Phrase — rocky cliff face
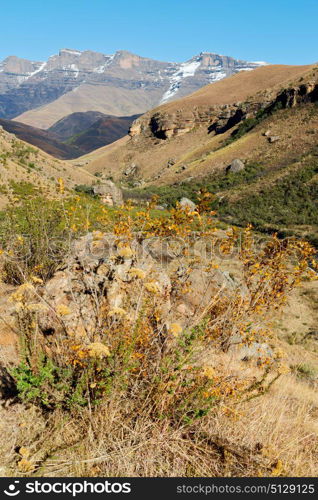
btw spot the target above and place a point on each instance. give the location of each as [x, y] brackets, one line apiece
[163, 124]
[25, 85]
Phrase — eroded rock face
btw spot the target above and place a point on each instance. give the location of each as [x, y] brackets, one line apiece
[219, 119]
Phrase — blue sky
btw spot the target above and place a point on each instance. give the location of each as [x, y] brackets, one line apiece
[277, 31]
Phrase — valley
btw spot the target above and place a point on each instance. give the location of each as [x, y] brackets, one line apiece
[158, 264]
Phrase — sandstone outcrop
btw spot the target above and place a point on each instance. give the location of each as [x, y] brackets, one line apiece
[219, 118]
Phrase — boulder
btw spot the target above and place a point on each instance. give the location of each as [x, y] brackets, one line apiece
[236, 166]
[109, 193]
[273, 138]
[182, 168]
[131, 170]
[171, 162]
[81, 163]
[203, 286]
[186, 203]
[255, 351]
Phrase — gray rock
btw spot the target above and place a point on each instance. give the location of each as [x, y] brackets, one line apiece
[81, 163]
[188, 179]
[109, 193]
[236, 166]
[255, 350]
[138, 183]
[181, 169]
[131, 170]
[186, 203]
[273, 138]
[171, 162]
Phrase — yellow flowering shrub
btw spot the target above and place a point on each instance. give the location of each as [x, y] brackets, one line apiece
[137, 273]
[134, 351]
[98, 350]
[63, 310]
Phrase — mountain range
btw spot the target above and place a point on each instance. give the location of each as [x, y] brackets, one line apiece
[122, 84]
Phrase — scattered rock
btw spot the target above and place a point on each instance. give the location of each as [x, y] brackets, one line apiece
[267, 133]
[188, 179]
[138, 183]
[109, 193]
[312, 334]
[186, 203]
[237, 165]
[171, 162]
[131, 170]
[81, 163]
[273, 138]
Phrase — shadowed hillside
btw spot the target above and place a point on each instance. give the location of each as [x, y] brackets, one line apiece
[43, 139]
[101, 132]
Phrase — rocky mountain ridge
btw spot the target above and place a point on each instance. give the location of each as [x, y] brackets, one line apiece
[25, 85]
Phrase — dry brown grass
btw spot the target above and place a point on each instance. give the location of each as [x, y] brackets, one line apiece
[272, 435]
[240, 86]
[92, 97]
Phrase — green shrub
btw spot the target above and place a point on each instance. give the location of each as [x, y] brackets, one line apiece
[34, 237]
[249, 123]
[169, 195]
[83, 188]
[293, 200]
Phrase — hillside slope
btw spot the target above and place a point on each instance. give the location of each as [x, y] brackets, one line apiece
[73, 136]
[75, 123]
[196, 139]
[25, 169]
[43, 139]
[195, 114]
[104, 131]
